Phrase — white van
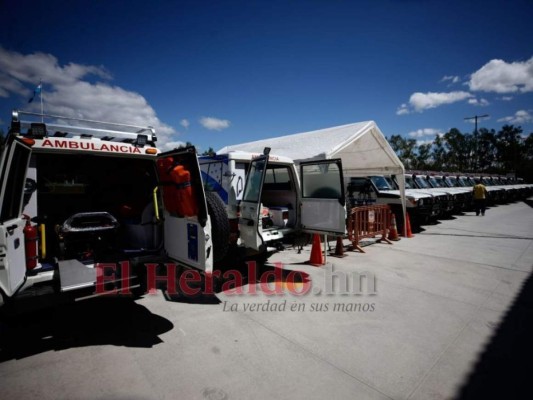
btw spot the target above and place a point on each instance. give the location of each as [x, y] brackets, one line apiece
[377, 189]
[76, 193]
[268, 199]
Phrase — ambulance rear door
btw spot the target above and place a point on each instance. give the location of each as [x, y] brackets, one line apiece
[322, 203]
[187, 235]
[14, 163]
[250, 222]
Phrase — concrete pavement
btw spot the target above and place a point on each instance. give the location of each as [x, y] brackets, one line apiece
[439, 299]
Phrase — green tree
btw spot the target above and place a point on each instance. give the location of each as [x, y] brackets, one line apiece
[187, 144]
[438, 154]
[527, 168]
[209, 152]
[486, 152]
[509, 147]
[405, 149]
[423, 155]
[458, 149]
[528, 147]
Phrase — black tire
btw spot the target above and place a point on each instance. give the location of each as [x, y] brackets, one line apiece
[220, 229]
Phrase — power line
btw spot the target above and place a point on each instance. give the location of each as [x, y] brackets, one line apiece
[475, 156]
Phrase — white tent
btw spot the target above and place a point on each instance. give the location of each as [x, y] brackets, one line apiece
[363, 148]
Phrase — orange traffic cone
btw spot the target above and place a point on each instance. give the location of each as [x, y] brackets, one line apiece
[317, 258]
[393, 230]
[339, 249]
[408, 227]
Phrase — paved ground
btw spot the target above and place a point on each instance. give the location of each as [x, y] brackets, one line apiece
[442, 300]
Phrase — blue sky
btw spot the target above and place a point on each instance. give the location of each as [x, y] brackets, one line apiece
[224, 72]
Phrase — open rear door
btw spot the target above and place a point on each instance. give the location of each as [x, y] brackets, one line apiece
[323, 201]
[250, 223]
[13, 168]
[187, 228]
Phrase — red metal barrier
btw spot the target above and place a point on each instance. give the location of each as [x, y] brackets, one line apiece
[367, 222]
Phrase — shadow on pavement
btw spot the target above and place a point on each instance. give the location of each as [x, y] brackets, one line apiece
[504, 368]
[232, 277]
[529, 202]
[103, 321]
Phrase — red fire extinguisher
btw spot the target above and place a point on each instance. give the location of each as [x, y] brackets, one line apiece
[31, 238]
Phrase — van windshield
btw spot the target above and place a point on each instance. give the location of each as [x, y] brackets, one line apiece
[391, 182]
[381, 183]
[450, 181]
[463, 182]
[434, 182]
[409, 182]
[422, 183]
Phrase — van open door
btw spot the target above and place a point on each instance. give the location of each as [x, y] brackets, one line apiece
[322, 205]
[250, 222]
[14, 163]
[183, 212]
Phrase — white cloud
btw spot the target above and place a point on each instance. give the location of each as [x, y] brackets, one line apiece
[502, 77]
[480, 102]
[520, 117]
[403, 110]
[507, 98]
[451, 78]
[67, 91]
[185, 123]
[424, 101]
[215, 124]
[420, 133]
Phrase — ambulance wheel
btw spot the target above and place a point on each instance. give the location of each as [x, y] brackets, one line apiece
[219, 225]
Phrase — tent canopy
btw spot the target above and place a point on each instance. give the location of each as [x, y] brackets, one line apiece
[361, 146]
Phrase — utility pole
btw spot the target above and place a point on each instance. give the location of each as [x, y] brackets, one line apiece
[475, 117]
[475, 157]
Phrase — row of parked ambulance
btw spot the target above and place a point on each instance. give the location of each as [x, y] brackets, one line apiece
[432, 195]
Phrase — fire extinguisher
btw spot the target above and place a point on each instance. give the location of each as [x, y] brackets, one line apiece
[31, 238]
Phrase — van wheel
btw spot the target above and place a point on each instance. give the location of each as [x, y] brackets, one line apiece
[219, 225]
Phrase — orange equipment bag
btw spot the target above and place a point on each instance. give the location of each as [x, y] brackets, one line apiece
[178, 194]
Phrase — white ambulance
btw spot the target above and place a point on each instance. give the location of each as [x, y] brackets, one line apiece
[76, 193]
[269, 200]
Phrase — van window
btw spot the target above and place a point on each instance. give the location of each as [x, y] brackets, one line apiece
[422, 183]
[381, 183]
[409, 183]
[252, 191]
[277, 178]
[434, 183]
[451, 181]
[321, 180]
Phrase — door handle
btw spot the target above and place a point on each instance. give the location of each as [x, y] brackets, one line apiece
[11, 228]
